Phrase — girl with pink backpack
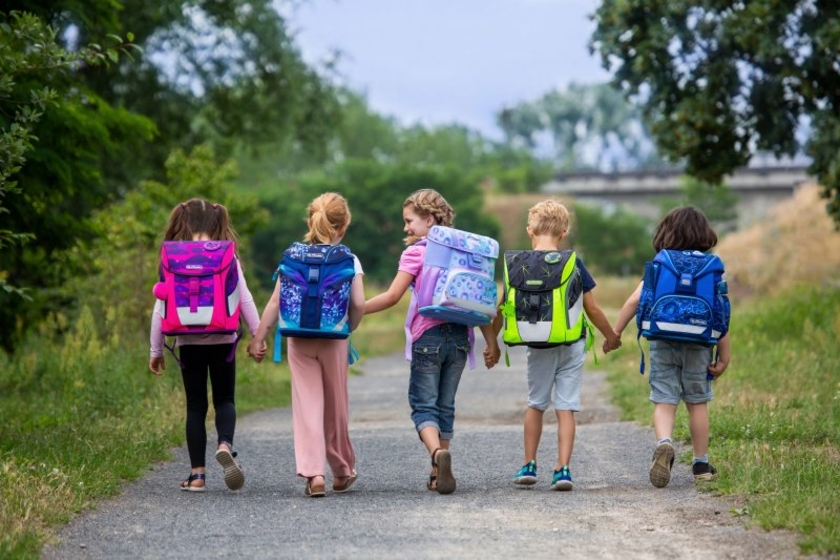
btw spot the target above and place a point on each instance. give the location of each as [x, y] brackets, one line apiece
[199, 298]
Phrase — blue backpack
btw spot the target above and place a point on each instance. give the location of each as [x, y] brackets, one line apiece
[314, 292]
[684, 298]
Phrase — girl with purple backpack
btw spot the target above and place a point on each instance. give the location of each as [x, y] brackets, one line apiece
[438, 349]
[200, 354]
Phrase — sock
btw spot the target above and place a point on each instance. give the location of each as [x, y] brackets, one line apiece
[703, 459]
[660, 441]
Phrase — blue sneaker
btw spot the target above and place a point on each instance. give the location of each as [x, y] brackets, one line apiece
[562, 479]
[527, 475]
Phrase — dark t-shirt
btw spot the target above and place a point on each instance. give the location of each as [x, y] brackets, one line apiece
[586, 279]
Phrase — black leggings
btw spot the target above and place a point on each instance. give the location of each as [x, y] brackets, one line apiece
[197, 360]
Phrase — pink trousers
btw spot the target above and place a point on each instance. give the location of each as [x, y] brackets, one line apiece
[320, 406]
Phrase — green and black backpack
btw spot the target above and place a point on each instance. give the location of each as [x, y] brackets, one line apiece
[543, 304]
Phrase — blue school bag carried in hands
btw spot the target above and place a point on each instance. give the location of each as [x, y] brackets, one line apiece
[684, 298]
[315, 282]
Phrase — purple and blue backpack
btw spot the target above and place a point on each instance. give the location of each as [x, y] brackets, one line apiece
[315, 282]
[459, 285]
[199, 288]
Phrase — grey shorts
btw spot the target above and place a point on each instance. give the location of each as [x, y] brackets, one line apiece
[559, 368]
[678, 372]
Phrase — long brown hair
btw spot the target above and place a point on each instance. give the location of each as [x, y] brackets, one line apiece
[684, 228]
[197, 216]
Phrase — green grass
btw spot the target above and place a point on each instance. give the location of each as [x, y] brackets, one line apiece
[775, 419]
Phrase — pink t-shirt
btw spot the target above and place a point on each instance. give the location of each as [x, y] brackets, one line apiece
[411, 261]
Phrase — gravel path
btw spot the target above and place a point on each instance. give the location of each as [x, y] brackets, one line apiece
[613, 511]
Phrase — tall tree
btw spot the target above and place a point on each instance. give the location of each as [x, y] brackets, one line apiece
[718, 81]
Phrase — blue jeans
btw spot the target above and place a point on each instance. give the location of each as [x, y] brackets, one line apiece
[438, 359]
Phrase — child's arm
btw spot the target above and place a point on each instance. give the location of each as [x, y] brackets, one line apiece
[391, 297]
[597, 318]
[357, 302]
[628, 310]
[723, 356]
[269, 318]
[492, 352]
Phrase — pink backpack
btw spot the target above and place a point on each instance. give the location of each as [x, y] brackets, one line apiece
[199, 287]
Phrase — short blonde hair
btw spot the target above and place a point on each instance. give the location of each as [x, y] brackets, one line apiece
[549, 217]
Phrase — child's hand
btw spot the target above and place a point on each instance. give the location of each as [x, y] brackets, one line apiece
[717, 368]
[491, 355]
[157, 365]
[611, 343]
[257, 350]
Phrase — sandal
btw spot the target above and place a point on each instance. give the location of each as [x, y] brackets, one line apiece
[343, 483]
[187, 486]
[445, 479]
[432, 484]
[315, 490]
[234, 475]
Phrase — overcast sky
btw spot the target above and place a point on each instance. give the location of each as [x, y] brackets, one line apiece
[441, 61]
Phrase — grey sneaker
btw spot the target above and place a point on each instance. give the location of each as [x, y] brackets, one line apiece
[660, 468]
[704, 472]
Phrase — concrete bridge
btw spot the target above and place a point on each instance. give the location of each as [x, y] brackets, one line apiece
[757, 188]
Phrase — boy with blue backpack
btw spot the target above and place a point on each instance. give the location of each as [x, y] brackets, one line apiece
[682, 308]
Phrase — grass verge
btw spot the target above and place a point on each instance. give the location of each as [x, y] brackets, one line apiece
[82, 416]
[775, 419]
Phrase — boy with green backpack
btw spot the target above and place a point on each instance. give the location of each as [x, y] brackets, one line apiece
[547, 292]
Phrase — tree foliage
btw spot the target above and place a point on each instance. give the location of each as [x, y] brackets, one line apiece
[718, 81]
[54, 136]
[375, 192]
[611, 242]
[589, 126]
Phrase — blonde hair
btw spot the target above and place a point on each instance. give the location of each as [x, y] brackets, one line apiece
[549, 217]
[329, 217]
[197, 216]
[429, 202]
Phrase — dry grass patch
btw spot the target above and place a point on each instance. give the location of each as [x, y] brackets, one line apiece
[795, 244]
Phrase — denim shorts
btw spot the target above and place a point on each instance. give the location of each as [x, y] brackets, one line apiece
[560, 368]
[438, 358]
[678, 372]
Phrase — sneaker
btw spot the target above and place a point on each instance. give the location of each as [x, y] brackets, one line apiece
[527, 475]
[562, 479]
[660, 468]
[704, 472]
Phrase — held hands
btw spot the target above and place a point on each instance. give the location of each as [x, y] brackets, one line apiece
[257, 349]
[157, 365]
[612, 342]
[492, 353]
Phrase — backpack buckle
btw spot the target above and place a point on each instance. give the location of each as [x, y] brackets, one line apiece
[314, 274]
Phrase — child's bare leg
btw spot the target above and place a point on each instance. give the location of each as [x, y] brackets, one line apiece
[698, 424]
[533, 432]
[663, 420]
[565, 437]
[430, 436]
